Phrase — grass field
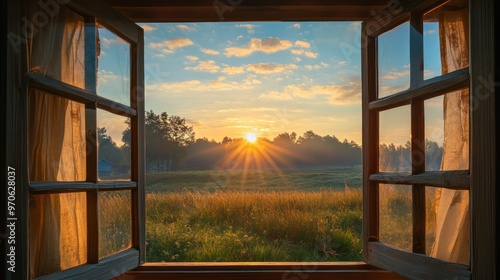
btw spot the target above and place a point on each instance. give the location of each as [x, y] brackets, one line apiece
[294, 215]
[231, 216]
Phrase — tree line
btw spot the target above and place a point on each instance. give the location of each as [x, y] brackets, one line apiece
[171, 145]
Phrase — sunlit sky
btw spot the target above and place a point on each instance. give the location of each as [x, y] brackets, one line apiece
[229, 79]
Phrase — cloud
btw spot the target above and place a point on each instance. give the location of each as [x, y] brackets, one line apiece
[268, 45]
[106, 76]
[210, 52]
[275, 95]
[192, 57]
[169, 46]
[147, 28]
[302, 44]
[233, 70]
[396, 75]
[184, 27]
[205, 66]
[342, 63]
[311, 54]
[296, 25]
[270, 68]
[429, 32]
[347, 93]
[220, 84]
[297, 52]
[316, 67]
[250, 27]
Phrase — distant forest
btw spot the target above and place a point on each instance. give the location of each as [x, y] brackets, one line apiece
[171, 145]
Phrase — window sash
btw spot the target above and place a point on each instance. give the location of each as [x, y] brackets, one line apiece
[414, 264]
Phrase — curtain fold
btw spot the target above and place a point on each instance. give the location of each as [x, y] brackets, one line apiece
[57, 151]
[452, 211]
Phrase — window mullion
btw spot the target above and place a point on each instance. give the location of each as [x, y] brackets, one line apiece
[417, 132]
[91, 140]
[370, 142]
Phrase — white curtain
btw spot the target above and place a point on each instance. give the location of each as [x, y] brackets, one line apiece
[452, 211]
[57, 150]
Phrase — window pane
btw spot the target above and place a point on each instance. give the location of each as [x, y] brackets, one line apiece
[113, 135]
[113, 67]
[115, 222]
[57, 146]
[58, 232]
[394, 148]
[434, 133]
[446, 36]
[447, 131]
[394, 60]
[58, 49]
[395, 210]
[447, 225]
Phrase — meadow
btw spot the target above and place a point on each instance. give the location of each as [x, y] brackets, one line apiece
[263, 216]
[231, 215]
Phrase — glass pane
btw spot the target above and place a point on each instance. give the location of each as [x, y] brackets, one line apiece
[446, 36]
[113, 140]
[394, 143]
[396, 224]
[58, 232]
[447, 131]
[57, 146]
[58, 49]
[447, 225]
[113, 67]
[394, 60]
[115, 222]
[434, 133]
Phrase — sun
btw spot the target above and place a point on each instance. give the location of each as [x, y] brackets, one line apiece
[251, 137]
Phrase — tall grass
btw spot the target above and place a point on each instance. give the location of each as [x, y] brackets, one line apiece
[323, 225]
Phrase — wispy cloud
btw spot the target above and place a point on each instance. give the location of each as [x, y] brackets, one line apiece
[250, 27]
[147, 27]
[268, 45]
[396, 75]
[192, 57]
[205, 66]
[311, 54]
[270, 68]
[338, 94]
[234, 70]
[169, 46]
[209, 51]
[302, 44]
[219, 84]
[297, 25]
[184, 27]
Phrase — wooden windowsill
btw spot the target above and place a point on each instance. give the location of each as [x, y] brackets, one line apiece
[259, 270]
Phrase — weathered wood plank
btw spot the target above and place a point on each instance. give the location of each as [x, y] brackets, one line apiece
[106, 269]
[456, 180]
[485, 127]
[417, 266]
[429, 88]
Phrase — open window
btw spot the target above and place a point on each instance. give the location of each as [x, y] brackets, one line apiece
[85, 207]
[416, 86]
[30, 92]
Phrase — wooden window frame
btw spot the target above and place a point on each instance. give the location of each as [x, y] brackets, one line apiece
[117, 263]
[484, 131]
